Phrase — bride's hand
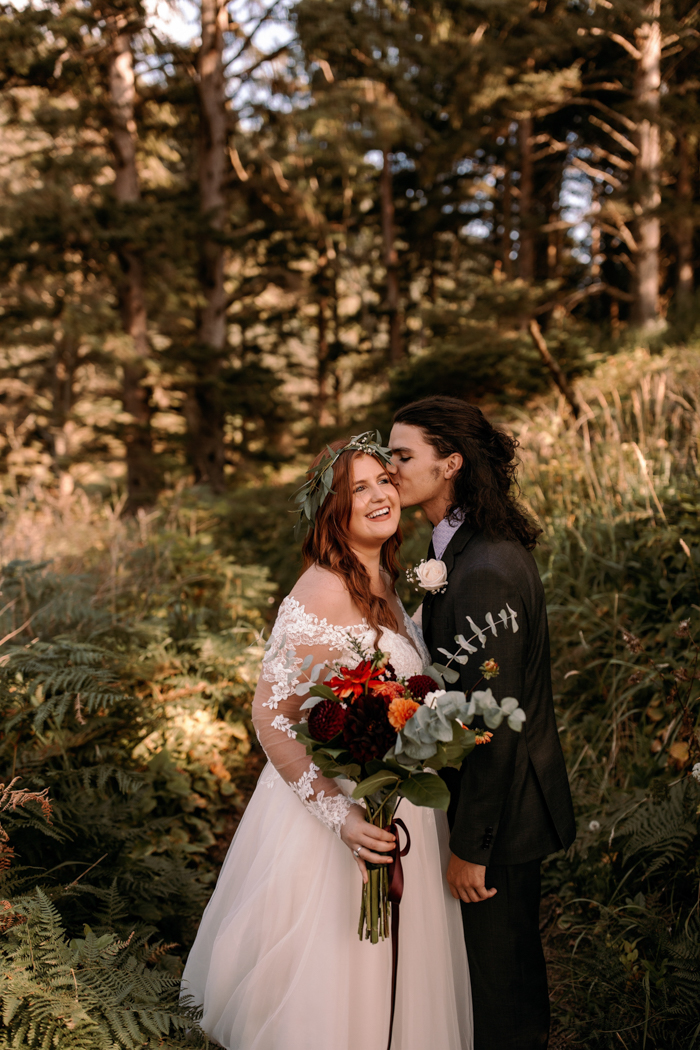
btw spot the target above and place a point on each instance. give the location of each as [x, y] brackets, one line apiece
[373, 843]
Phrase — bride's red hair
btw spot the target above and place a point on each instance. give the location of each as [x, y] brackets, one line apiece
[327, 545]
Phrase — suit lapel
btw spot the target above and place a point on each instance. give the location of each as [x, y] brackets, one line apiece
[456, 545]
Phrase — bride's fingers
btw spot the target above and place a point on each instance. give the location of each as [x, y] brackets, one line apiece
[363, 869]
[380, 839]
[378, 847]
[374, 858]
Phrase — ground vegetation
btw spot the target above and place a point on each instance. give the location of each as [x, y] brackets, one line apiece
[225, 243]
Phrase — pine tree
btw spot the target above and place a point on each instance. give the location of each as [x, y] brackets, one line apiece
[143, 474]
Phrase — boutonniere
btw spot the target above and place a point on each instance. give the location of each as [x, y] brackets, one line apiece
[431, 575]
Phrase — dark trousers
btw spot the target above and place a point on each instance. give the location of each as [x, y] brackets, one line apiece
[506, 961]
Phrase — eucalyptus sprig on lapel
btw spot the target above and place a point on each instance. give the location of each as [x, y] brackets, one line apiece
[489, 668]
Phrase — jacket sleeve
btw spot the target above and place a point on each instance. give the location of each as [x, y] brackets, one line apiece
[491, 612]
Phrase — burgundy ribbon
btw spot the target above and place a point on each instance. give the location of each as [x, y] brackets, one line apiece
[395, 895]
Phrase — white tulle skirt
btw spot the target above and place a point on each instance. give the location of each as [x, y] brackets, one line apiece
[277, 963]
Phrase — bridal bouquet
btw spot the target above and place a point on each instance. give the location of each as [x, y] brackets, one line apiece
[390, 737]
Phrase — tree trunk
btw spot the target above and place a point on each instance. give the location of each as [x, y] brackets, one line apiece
[322, 365]
[391, 262]
[506, 242]
[647, 167]
[684, 229]
[63, 367]
[205, 409]
[143, 475]
[527, 233]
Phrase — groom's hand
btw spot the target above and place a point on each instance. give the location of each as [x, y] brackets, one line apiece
[467, 881]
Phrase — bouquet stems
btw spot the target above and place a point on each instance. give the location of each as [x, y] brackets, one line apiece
[374, 906]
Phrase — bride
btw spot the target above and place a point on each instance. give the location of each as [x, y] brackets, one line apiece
[277, 963]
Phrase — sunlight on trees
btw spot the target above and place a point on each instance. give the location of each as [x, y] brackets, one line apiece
[232, 232]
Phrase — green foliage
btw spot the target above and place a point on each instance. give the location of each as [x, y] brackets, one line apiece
[621, 512]
[636, 965]
[130, 703]
[94, 992]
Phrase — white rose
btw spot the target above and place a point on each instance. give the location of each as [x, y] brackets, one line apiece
[696, 771]
[432, 574]
[431, 699]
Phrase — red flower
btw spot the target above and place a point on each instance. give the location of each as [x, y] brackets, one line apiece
[367, 732]
[326, 720]
[419, 685]
[354, 682]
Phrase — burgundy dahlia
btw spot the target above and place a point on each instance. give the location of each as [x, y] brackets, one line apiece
[326, 720]
[419, 685]
[388, 673]
[367, 732]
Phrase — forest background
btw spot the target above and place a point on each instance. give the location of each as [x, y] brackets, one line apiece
[230, 233]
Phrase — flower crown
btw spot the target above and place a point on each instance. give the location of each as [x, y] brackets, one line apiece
[313, 492]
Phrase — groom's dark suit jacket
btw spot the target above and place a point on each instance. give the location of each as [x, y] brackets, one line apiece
[511, 800]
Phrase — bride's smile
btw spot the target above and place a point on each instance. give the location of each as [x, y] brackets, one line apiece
[376, 508]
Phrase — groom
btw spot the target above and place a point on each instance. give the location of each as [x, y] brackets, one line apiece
[511, 804]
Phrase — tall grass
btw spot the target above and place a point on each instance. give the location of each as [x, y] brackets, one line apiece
[618, 495]
[127, 663]
[129, 650]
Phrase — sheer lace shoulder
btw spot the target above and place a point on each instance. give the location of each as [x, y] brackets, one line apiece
[315, 627]
[297, 635]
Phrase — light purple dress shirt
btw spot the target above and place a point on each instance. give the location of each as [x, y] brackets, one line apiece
[443, 533]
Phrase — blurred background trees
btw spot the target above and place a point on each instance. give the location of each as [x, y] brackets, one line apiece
[230, 232]
[222, 238]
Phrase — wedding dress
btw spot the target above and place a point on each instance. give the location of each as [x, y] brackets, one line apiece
[277, 963]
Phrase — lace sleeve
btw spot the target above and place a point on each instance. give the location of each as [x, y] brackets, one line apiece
[296, 635]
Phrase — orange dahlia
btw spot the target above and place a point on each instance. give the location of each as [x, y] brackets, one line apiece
[400, 710]
[389, 690]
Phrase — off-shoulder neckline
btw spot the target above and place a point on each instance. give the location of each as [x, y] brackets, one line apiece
[323, 622]
[362, 626]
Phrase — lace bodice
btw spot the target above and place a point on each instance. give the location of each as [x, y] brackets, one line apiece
[297, 635]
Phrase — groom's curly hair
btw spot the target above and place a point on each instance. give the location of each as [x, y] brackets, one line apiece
[485, 489]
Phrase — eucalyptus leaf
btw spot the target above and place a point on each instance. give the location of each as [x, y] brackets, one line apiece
[419, 751]
[435, 675]
[516, 720]
[426, 789]
[323, 691]
[448, 673]
[310, 703]
[493, 719]
[384, 778]
[306, 663]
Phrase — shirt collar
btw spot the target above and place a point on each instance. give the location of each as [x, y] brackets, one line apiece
[444, 531]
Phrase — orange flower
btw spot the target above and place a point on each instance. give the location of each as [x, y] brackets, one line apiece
[388, 689]
[400, 710]
[353, 682]
[484, 738]
[489, 669]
